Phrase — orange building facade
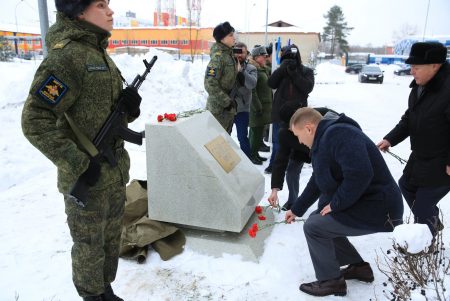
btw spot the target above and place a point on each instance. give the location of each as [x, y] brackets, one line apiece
[188, 41]
[26, 42]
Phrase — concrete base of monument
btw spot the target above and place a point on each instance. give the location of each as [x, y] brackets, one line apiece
[217, 243]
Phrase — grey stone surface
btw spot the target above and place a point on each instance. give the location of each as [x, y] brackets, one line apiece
[217, 243]
[187, 186]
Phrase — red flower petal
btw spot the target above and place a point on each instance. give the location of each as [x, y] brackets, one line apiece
[160, 118]
[262, 217]
[252, 233]
[166, 115]
[258, 209]
[255, 227]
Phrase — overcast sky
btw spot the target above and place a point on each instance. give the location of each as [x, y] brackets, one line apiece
[374, 21]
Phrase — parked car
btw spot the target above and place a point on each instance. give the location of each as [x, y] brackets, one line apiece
[403, 70]
[371, 73]
[353, 69]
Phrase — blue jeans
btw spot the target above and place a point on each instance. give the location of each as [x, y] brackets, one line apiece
[423, 201]
[241, 122]
[293, 171]
[275, 145]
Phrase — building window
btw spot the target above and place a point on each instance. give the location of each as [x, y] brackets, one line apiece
[29, 42]
[124, 42]
[154, 42]
[173, 42]
[134, 42]
[115, 42]
[164, 42]
[184, 42]
[144, 42]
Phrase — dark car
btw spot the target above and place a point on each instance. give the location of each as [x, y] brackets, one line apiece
[371, 74]
[403, 70]
[353, 69]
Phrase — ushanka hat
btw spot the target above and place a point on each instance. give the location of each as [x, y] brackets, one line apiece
[423, 53]
[222, 30]
[72, 8]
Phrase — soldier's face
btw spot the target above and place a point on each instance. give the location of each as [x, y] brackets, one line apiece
[229, 40]
[98, 13]
[424, 73]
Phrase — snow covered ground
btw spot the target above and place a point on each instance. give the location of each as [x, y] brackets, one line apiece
[35, 241]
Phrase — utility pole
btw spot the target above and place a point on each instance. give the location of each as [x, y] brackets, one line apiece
[267, 22]
[43, 19]
[426, 21]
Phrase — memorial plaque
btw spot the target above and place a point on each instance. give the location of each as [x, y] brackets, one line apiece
[223, 153]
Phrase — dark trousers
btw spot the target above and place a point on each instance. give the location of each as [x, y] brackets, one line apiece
[255, 137]
[241, 122]
[275, 145]
[293, 171]
[328, 245]
[423, 201]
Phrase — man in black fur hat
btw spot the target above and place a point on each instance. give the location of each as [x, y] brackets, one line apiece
[426, 177]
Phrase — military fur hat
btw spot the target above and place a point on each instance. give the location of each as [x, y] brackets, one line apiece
[72, 8]
[222, 30]
[423, 53]
[259, 50]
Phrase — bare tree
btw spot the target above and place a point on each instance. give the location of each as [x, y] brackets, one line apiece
[404, 31]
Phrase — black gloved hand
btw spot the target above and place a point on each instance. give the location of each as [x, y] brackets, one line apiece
[291, 68]
[92, 174]
[240, 78]
[232, 105]
[132, 101]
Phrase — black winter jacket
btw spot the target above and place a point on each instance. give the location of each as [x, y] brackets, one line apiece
[427, 123]
[293, 83]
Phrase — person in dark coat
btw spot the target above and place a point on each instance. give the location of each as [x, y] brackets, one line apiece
[293, 82]
[357, 196]
[426, 177]
[289, 159]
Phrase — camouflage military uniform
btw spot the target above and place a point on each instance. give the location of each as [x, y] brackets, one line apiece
[79, 78]
[219, 81]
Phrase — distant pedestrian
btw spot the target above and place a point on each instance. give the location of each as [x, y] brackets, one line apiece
[242, 95]
[426, 177]
[293, 82]
[220, 76]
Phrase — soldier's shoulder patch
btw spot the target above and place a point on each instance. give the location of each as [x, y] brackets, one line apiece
[52, 90]
[211, 72]
[61, 44]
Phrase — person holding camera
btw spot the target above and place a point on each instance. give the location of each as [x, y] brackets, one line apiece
[261, 104]
[293, 82]
[78, 81]
[242, 94]
[220, 76]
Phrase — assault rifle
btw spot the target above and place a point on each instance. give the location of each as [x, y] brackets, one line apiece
[103, 141]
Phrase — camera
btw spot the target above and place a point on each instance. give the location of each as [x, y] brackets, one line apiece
[237, 50]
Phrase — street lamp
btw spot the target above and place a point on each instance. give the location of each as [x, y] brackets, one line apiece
[17, 27]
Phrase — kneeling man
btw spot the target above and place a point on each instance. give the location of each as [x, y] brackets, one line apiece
[357, 196]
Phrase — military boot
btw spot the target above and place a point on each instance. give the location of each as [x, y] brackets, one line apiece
[359, 271]
[109, 294]
[94, 298]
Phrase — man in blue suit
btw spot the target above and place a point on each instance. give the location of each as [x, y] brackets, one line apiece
[357, 196]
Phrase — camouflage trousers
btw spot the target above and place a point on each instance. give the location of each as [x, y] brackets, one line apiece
[95, 232]
[226, 119]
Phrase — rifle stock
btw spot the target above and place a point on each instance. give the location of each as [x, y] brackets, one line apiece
[113, 127]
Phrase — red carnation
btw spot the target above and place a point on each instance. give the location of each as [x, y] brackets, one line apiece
[262, 217]
[258, 209]
[166, 115]
[160, 118]
[172, 117]
[255, 227]
[252, 233]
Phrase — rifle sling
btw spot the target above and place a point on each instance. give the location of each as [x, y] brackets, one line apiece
[85, 142]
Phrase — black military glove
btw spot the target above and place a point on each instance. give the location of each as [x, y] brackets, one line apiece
[132, 101]
[232, 105]
[291, 69]
[240, 78]
[92, 174]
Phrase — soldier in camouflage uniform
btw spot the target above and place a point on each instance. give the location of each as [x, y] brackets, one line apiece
[221, 75]
[78, 80]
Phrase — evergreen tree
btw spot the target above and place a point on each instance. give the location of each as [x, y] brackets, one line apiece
[336, 30]
[6, 53]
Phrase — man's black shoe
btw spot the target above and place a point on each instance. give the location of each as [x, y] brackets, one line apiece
[94, 298]
[336, 287]
[268, 170]
[109, 294]
[359, 271]
[255, 160]
[264, 148]
[263, 159]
